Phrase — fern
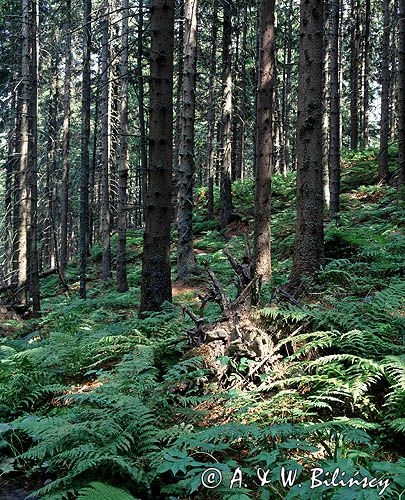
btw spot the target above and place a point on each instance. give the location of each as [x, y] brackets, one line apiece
[102, 491]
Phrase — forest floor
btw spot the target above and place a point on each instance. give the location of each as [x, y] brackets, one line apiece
[98, 403]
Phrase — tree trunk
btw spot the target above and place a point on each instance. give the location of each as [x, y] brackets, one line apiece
[401, 97]
[186, 264]
[334, 139]
[33, 159]
[64, 201]
[85, 143]
[354, 76]
[105, 221]
[156, 271]
[393, 74]
[264, 141]
[287, 89]
[326, 105]
[142, 121]
[366, 74]
[8, 195]
[21, 246]
[383, 172]
[309, 242]
[225, 201]
[211, 112]
[52, 151]
[122, 283]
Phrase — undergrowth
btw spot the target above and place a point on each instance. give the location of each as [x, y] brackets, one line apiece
[98, 403]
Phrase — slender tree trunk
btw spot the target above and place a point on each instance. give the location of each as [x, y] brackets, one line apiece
[122, 283]
[309, 241]
[94, 169]
[326, 104]
[156, 271]
[354, 76]
[105, 216]
[334, 139]
[366, 73]
[33, 159]
[64, 201]
[340, 57]
[401, 97]
[235, 99]
[264, 141]
[287, 90]
[225, 202]
[179, 41]
[186, 264]
[383, 172]
[211, 111]
[21, 246]
[141, 113]
[8, 198]
[85, 143]
[394, 74]
[51, 162]
[240, 157]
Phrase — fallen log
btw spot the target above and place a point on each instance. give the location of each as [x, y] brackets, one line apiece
[46, 273]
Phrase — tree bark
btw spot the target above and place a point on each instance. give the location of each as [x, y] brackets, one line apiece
[401, 97]
[383, 171]
[334, 139]
[33, 159]
[51, 162]
[309, 241]
[354, 76]
[264, 140]
[122, 282]
[287, 88]
[142, 121]
[225, 201]
[366, 74]
[211, 112]
[85, 143]
[326, 77]
[21, 246]
[186, 264]
[156, 270]
[64, 201]
[105, 216]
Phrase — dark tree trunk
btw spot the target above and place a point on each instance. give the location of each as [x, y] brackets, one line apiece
[156, 271]
[287, 88]
[142, 121]
[211, 112]
[354, 76]
[122, 282]
[225, 201]
[326, 105]
[264, 141]
[85, 143]
[52, 151]
[383, 172]
[366, 73]
[105, 216]
[186, 264]
[401, 97]
[334, 139]
[309, 241]
[33, 159]
[64, 201]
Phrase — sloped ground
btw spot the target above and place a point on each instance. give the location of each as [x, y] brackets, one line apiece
[151, 411]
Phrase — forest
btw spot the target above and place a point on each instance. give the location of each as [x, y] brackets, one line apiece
[201, 249]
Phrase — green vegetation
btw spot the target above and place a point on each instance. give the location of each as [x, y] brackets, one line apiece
[98, 403]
